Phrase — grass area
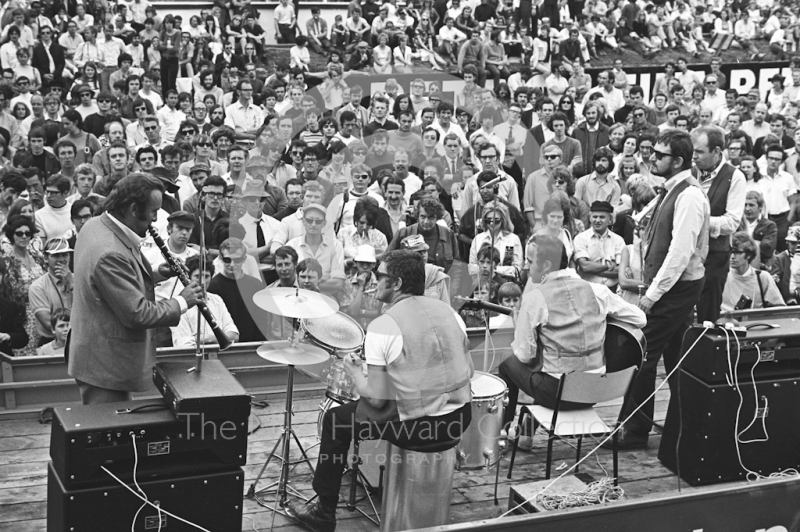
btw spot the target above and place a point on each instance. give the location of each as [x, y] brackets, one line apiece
[629, 58]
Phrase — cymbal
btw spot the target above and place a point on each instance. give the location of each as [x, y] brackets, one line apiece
[302, 355]
[295, 303]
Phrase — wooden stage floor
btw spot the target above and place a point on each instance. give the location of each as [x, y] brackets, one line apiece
[24, 453]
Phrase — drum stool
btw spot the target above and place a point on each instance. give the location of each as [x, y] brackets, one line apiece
[416, 480]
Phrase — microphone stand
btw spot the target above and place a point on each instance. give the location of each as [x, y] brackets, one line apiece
[485, 310]
[199, 352]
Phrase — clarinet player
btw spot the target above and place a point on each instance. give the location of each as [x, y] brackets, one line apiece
[111, 348]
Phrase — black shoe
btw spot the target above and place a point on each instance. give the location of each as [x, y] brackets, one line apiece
[313, 515]
[627, 440]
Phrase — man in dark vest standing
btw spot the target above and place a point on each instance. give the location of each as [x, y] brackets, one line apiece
[724, 186]
[674, 246]
[417, 388]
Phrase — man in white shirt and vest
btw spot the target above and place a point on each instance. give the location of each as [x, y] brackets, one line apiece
[724, 186]
[674, 248]
[416, 393]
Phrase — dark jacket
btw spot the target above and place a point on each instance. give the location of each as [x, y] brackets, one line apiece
[12, 322]
[782, 269]
[766, 234]
[446, 251]
[40, 61]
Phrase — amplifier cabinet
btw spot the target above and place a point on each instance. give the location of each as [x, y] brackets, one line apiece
[213, 501]
[86, 437]
[213, 392]
[776, 350]
[707, 450]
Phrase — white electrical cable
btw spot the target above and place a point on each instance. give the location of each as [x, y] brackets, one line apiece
[611, 435]
[144, 498]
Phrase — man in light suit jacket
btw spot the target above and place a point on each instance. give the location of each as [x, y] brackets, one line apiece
[111, 348]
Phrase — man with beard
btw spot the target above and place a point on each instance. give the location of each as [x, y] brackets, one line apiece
[591, 134]
[599, 185]
[674, 247]
[204, 85]
[118, 162]
[215, 120]
[724, 185]
[115, 132]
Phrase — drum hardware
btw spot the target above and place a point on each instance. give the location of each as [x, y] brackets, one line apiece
[294, 303]
[486, 307]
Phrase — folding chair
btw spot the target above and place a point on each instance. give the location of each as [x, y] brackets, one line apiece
[579, 387]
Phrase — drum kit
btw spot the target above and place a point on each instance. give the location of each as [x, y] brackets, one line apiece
[321, 339]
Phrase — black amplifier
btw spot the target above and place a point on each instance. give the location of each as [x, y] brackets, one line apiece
[708, 445]
[84, 438]
[774, 345]
[213, 393]
[212, 501]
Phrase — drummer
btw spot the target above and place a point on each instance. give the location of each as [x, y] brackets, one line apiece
[416, 390]
[560, 328]
[280, 327]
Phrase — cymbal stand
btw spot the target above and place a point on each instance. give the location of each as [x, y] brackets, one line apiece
[357, 477]
[281, 487]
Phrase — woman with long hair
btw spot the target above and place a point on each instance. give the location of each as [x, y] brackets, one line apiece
[278, 171]
[170, 48]
[8, 51]
[339, 165]
[89, 75]
[558, 222]
[499, 232]
[402, 103]
[511, 39]
[362, 231]
[566, 105]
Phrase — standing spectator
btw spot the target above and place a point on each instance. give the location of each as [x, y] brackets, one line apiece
[170, 48]
[777, 186]
[54, 219]
[591, 134]
[761, 229]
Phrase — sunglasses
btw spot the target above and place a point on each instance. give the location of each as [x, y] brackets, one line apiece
[660, 154]
[187, 132]
[551, 157]
[560, 182]
[23, 234]
[310, 221]
[638, 115]
[151, 128]
[298, 153]
[489, 221]
[205, 144]
[141, 109]
[235, 260]
[104, 101]
[360, 176]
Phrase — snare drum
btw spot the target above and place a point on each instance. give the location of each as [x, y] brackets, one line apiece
[480, 443]
[339, 334]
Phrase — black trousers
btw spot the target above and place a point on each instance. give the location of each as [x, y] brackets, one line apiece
[169, 73]
[541, 386]
[667, 322]
[717, 265]
[339, 427]
[782, 221]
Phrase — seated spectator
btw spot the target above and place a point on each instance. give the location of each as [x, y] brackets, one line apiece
[315, 244]
[759, 228]
[784, 263]
[53, 220]
[281, 327]
[12, 321]
[499, 233]
[237, 290]
[185, 333]
[59, 323]
[486, 286]
[359, 300]
[747, 287]
[309, 274]
[437, 282]
[362, 232]
[53, 290]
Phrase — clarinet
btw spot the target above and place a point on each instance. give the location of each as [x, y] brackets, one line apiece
[222, 340]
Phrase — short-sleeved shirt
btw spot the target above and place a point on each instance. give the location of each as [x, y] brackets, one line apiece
[330, 255]
[47, 293]
[607, 247]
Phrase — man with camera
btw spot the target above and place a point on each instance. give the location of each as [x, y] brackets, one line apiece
[747, 287]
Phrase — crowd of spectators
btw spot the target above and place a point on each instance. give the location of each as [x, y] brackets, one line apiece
[283, 175]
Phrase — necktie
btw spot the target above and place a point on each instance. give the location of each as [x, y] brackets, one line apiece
[260, 240]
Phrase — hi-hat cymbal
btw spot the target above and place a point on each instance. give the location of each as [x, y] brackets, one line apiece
[302, 355]
[295, 303]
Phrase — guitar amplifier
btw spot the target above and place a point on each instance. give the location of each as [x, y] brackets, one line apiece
[212, 501]
[211, 394]
[708, 448]
[84, 438]
[775, 346]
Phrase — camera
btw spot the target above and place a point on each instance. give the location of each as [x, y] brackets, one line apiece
[744, 303]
